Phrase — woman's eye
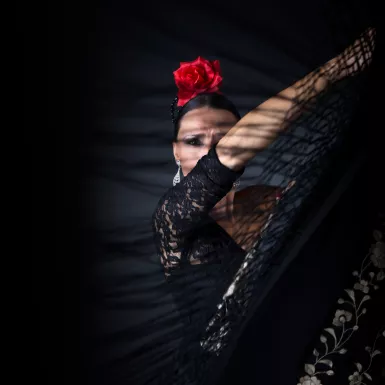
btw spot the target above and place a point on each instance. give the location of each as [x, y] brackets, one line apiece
[193, 142]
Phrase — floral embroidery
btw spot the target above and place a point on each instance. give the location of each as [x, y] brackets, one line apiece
[356, 378]
[341, 317]
[378, 256]
[346, 320]
[359, 377]
[362, 286]
[309, 381]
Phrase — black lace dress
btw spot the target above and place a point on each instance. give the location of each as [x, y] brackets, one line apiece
[200, 261]
[199, 257]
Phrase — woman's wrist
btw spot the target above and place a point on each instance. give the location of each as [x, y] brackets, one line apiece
[354, 59]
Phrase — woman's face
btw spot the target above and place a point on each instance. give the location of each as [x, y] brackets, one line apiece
[199, 130]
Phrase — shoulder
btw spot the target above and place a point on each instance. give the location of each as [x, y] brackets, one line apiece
[258, 191]
[256, 197]
[260, 196]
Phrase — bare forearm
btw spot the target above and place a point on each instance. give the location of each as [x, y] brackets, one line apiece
[261, 126]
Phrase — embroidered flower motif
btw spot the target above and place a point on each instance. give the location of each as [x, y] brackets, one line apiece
[307, 380]
[359, 376]
[377, 235]
[362, 286]
[378, 255]
[355, 379]
[341, 317]
[336, 337]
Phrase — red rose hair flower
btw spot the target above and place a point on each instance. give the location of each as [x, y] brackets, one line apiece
[196, 77]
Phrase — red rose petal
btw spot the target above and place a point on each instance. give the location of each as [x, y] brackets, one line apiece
[195, 77]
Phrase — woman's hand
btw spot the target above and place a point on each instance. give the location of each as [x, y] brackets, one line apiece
[353, 59]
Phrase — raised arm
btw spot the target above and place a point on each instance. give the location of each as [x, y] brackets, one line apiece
[260, 127]
[187, 205]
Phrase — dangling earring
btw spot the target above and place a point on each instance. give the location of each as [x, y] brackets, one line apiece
[177, 175]
[236, 184]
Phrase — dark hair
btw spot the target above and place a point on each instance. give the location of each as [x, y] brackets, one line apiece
[212, 100]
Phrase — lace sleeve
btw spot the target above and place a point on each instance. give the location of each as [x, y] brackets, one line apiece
[187, 205]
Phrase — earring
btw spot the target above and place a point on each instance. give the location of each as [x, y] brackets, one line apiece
[177, 175]
[236, 184]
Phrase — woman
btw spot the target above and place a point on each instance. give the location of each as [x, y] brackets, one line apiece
[203, 227]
